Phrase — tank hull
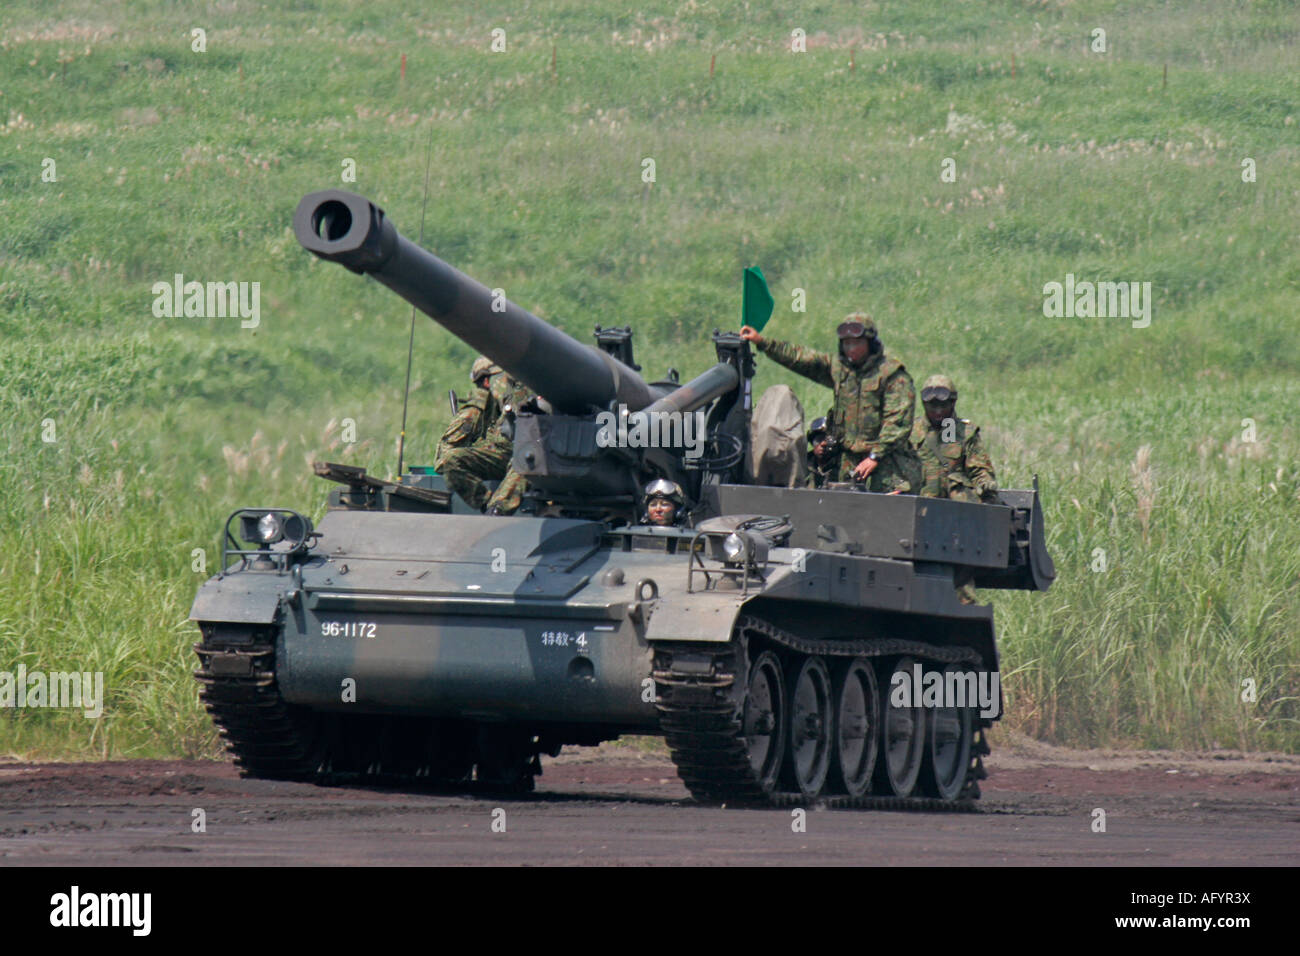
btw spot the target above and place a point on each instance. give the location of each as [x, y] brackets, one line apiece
[497, 638]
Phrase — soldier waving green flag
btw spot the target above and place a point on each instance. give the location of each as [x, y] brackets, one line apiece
[871, 418]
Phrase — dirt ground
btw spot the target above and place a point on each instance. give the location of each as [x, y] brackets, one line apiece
[624, 805]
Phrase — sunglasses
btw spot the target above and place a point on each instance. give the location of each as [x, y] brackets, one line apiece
[939, 396]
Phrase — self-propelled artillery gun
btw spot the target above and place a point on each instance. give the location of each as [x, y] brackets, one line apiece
[787, 641]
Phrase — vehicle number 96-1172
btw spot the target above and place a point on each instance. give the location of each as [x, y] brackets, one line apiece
[348, 629]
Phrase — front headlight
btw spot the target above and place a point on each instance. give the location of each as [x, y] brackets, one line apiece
[734, 546]
[261, 530]
[270, 528]
[266, 527]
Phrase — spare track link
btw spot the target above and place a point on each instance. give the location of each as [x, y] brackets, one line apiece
[701, 719]
[238, 689]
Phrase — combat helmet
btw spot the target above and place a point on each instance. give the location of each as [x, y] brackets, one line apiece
[938, 388]
[663, 488]
[483, 367]
[856, 325]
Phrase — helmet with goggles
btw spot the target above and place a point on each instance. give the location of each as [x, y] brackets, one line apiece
[856, 325]
[663, 488]
[938, 390]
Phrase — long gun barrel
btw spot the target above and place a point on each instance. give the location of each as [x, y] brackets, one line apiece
[699, 391]
[342, 227]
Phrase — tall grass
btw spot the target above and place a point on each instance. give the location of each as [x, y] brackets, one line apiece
[828, 177]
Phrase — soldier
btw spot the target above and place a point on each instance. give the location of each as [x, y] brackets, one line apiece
[871, 420]
[472, 450]
[664, 501]
[469, 425]
[510, 394]
[954, 463]
[823, 456]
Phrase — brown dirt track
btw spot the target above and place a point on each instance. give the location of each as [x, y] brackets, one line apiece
[616, 805]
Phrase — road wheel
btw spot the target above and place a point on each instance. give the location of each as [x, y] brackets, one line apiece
[855, 731]
[764, 720]
[808, 739]
[902, 735]
[947, 750]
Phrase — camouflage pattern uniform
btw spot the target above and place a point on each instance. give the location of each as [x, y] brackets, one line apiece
[472, 450]
[469, 425]
[509, 494]
[959, 469]
[509, 394]
[872, 412]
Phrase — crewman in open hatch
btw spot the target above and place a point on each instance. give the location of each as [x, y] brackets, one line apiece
[664, 504]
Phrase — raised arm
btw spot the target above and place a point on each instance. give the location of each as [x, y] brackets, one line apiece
[797, 358]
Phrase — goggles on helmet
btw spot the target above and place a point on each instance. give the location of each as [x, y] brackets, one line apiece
[854, 330]
[663, 488]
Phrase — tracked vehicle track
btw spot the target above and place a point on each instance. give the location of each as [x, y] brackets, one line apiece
[273, 739]
[267, 737]
[700, 702]
[700, 693]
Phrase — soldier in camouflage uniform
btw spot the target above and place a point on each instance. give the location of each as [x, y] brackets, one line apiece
[871, 420]
[823, 457]
[472, 449]
[509, 394]
[954, 463]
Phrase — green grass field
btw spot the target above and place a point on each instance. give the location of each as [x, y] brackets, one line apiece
[821, 167]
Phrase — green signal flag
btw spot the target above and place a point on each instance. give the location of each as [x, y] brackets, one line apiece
[756, 307]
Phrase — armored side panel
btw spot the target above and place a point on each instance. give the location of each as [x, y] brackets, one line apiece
[1002, 544]
[459, 616]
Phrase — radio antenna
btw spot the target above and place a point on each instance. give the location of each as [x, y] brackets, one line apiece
[410, 345]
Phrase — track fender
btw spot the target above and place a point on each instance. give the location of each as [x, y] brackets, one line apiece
[240, 599]
[702, 616]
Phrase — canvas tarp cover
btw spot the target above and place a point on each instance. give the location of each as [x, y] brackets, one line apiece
[776, 452]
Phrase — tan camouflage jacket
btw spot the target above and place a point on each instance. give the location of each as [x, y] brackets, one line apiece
[509, 394]
[506, 394]
[873, 404]
[960, 469]
[476, 415]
